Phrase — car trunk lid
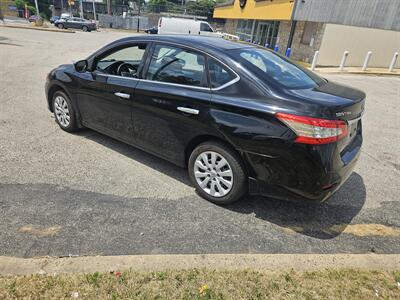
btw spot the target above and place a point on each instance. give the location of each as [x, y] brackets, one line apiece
[333, 101]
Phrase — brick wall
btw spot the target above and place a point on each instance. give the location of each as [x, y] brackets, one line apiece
[230, 26]
[283, 35]
[301, 52]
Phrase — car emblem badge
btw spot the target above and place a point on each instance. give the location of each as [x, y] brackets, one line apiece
[343, 113]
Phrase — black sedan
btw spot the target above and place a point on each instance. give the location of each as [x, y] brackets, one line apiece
[241, 118]
[152, 30]
[75, 23]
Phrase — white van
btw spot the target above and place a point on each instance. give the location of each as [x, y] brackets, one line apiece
[65, 16]
[187, 26]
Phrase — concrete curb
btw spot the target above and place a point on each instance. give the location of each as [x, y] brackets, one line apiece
[261, 262]
[38, 28]
[367, 73]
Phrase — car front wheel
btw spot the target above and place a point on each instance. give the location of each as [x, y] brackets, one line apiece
[61, 26]
[217, 173]
[84, 28]
[64, 112]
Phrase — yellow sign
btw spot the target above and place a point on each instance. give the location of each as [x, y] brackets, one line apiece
[259, 10]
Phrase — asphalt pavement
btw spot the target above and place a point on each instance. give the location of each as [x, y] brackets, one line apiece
[87, 194]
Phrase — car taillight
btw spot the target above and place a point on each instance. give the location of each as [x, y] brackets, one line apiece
[314, 131]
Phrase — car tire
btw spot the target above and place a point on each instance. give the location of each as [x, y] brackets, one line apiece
[60, 26]
[226, 182]
[64, 112]
[85, 28]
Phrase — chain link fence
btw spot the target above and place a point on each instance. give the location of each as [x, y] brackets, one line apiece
[120, 22]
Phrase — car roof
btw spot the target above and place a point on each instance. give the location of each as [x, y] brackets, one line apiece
[200, 42]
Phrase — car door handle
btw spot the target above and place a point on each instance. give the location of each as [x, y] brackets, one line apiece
[188, 110]
[122, 95]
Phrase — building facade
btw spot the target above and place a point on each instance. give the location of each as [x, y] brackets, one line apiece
[331, 27]
[254, 20]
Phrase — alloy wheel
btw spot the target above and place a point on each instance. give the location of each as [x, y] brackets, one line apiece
[213, 174]
[62, 111]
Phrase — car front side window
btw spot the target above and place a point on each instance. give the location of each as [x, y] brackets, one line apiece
[177, 65]
[122, 62]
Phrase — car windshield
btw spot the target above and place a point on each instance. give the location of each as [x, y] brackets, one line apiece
[275, 68]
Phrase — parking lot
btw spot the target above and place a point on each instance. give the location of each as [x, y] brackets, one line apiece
[87, 194]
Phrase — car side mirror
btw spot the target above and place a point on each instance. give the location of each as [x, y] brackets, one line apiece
[81, 66]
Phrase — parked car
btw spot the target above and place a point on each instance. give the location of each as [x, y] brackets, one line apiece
[53, 19]
[241, 118]
[167, 25]
[34, 18]
[152, 30]
[75, 23]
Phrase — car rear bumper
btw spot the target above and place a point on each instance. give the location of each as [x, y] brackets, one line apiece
[307, 176]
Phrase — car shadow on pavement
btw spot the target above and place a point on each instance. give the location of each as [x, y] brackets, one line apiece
[141, 156]
[320, 220]
[4, 41]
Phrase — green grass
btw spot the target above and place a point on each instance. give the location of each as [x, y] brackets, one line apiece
[206, 284]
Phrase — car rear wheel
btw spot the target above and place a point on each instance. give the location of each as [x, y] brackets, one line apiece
[64, 112]
[85, 28]
[217, 173]
[61, 26]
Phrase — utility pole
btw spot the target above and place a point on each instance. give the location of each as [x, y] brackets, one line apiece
[94, 12]
[37, 8]
[109, 7]
[138, 19]
[81, 8]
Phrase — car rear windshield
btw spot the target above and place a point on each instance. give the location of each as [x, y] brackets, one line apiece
[275, 68]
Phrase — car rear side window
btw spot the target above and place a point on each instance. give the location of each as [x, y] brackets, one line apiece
[274, 68]
[177, 65]
[219, 74]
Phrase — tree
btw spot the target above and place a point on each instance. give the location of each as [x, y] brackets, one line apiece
[198, 7]
[20, 4]
[157, 5]
[119, 2]
[43, 6]
[201, 7]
